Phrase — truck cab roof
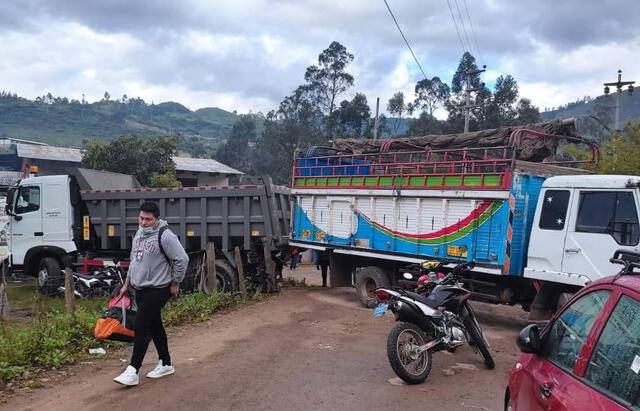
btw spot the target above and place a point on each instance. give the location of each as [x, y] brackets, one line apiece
[592, 181]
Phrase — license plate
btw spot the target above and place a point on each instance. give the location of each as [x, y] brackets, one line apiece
[380, 310]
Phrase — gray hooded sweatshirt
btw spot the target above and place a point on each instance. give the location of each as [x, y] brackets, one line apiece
[148, 266]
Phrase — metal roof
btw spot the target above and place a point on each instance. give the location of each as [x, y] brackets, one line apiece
[49, 152]
[203, 165]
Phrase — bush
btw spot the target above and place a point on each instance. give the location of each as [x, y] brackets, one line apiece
[57, 338]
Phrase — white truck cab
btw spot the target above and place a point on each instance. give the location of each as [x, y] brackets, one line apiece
[580, 221]
[41, 226]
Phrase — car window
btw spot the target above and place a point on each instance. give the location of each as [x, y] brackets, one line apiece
[564, 339]
[614, 367]
[554, 209]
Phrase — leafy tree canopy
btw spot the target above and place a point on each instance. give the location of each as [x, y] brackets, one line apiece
[148, 159]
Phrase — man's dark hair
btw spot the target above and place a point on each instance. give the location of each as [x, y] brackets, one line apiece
[149, 207]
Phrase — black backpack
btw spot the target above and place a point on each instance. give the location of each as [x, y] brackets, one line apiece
[160, 232]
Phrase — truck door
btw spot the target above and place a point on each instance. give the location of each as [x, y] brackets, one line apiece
[341, 220]
[26, 225]
[546, 247]
[56, 213]
[601, 222]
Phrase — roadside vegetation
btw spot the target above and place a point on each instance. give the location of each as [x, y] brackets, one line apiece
[43, 336]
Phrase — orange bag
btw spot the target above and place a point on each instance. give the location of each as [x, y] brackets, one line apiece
[116, 324]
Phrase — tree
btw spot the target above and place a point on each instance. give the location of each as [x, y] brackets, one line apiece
[294, 125]
[353, 116]
[467, 65]
[527, 113]
[328, 80]
[397, 106]
[430, 94]
[106, 97]
[235, 152]
[149, 160]
[497, 109]
[425, 124]
[455, 103]
[620, 154]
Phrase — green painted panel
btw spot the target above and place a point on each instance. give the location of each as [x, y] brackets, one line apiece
[321, 181]
[493, 180]
[310, 181]
[386, 181]
[298, 182]
[345, 181]
[371, 181]
[452, 181]
[401, 181]
[357, 181]
[434, 181]
[416, 181]
[332, 181]
[472, 180]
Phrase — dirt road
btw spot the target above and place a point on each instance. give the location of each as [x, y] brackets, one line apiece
[304, 349]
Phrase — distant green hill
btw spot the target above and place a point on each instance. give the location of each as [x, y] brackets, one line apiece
[58, 121]
[601, 106]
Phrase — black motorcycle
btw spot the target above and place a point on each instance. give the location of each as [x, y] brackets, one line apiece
[436, 316]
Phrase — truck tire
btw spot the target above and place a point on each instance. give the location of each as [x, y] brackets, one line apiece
[226, 278]
[49, 276]
[367, 280]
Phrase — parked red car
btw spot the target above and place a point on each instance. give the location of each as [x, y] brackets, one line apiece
[588, 356]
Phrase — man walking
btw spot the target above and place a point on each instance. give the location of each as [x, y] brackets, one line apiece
[158, 265]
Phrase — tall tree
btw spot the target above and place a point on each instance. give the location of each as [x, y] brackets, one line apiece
[236, 152]
[353, 116]
[328, 80]
[294, 125]
[396, 106]
[148, 160]
[527, 113]
[430, 94]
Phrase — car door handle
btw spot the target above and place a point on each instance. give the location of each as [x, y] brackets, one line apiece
[545, 390]
[38, 233]
[572, 250]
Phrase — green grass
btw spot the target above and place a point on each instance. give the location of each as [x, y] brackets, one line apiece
[50, 337]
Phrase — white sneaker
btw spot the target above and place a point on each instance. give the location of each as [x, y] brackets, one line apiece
[129, 377]
[161, 370]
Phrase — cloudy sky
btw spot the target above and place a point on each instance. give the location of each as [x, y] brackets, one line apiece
[246, 55]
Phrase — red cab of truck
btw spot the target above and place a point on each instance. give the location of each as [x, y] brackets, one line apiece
[588, 356]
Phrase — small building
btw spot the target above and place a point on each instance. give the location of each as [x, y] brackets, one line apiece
[19, 156]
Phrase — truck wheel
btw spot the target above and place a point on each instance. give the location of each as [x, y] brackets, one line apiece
[49, 276]
[226, 278]
[367, 280]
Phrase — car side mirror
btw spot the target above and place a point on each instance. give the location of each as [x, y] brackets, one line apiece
[529, 340]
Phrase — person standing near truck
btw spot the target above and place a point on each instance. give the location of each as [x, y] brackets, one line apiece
[158, 265]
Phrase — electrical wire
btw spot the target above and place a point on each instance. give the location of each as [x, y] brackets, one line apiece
[456, 26]
[405, 39]
[473, 32]
[464, 27]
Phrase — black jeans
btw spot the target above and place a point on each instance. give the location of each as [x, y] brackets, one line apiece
[149, 326]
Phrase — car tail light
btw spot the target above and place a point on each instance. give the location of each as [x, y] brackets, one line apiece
[382, 295]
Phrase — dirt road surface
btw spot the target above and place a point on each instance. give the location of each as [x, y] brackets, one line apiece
[304, 349]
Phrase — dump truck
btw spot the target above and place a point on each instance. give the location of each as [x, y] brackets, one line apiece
[536, 228]
[54, 223]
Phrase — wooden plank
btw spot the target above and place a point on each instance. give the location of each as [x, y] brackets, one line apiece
[211, 268]
[69, 295]
[269, 264]
[240, 267]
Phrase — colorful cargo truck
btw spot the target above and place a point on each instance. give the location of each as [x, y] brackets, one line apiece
[536, 231]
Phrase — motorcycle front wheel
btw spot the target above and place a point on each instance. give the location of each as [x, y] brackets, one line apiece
[476, 338]
[402, 343]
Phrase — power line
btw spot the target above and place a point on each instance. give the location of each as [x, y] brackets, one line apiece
[405, 39]
[475, 39]
[456, 26]
[464, 28]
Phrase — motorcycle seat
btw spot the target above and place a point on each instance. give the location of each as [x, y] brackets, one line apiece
[421, 298]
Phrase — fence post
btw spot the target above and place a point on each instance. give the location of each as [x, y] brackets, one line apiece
[4, 300]
[69, 295]
[269, 264]
[212, 281]
[243, 290]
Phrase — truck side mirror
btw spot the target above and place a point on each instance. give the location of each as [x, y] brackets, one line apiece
[529, 340]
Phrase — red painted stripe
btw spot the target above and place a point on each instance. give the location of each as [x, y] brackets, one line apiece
[447, 230]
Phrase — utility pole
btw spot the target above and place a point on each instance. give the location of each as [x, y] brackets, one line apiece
[467, 96]
[619, 84]
[375, 124]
